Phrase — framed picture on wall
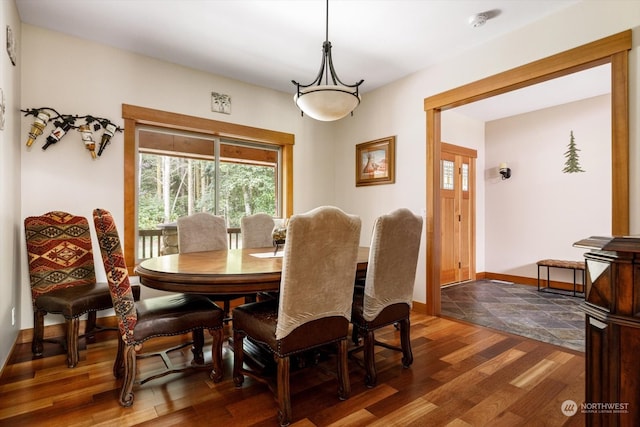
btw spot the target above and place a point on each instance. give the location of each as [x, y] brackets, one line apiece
[375, 162]
[220, 103]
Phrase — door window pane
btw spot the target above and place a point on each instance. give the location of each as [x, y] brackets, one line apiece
[465, 177]
[447, 174]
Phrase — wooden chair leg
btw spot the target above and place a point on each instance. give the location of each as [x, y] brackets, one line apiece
[198, 344]
[344, 386]
[90, 329]
[126, 393]
[73, 329]
[216, 354]
[354, 335]
[405, 343]
[284, 394]
[118, 364]
[369, 359]
[238, 358]
[38, 332]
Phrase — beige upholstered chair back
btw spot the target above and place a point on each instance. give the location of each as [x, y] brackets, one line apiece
[202, 232]
[257, 230]
[318, 268]
[393, 257]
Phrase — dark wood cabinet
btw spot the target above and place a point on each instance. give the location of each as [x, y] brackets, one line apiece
[612, 351]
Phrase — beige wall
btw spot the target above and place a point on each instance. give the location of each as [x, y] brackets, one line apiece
[540, 211]
[80, 77]
[397, 109]
[10, 215]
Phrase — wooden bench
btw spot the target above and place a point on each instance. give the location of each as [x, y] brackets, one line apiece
[556, 263]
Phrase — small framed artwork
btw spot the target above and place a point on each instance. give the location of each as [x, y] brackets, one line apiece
[375, 162]
[220, 103]
[11, 45]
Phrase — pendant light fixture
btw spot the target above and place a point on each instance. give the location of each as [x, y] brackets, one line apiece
[332, 100]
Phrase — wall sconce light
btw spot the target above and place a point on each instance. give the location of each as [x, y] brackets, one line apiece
[504, 171]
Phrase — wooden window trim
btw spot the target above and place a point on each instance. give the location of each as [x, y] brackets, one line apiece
[135, 116]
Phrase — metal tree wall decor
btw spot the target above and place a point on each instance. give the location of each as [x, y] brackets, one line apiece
[572, 164]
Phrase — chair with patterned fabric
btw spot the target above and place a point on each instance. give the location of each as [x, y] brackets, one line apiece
[257, 230]
[388, 289]
[63, 281]
[315, 300]
[174, 314]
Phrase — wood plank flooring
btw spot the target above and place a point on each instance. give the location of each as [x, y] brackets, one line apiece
[462, 375]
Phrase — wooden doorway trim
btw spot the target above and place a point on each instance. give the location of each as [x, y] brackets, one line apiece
[613, 50]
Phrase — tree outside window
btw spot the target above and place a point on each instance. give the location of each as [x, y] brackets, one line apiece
[178, 175]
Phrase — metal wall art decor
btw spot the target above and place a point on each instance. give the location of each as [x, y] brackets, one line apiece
[375, 162]
[2, 109]
[11, 45]
[572, 164]
[220, 103]
[62, 123]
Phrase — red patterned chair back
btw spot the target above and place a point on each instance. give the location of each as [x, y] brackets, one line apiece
[117, 275]
[59, 249]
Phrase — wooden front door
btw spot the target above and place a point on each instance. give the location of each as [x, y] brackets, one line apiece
[457, 204]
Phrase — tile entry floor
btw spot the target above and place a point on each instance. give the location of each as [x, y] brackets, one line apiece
[518, 309]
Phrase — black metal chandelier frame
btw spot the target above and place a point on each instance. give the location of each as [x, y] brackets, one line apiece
[326, 68]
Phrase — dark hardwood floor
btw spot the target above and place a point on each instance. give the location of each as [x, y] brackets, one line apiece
[462, 375]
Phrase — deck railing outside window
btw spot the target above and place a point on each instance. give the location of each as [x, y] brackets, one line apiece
[150, 242]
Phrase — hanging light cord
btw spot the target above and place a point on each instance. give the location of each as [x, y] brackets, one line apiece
[326, 37]
[325, 44]
[326, 66]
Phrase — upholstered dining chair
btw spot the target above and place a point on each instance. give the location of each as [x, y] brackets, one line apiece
[257, 230]
[63, 280]
[201, 232]
[174, 314]
[388, 289]
[314, 307]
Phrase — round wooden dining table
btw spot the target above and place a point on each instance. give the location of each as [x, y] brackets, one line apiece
[233, 271]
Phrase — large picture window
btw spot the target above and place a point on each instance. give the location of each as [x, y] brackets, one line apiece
[175, 165]
[180, 173]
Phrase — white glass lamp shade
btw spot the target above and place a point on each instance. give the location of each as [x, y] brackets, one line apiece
[326, 102]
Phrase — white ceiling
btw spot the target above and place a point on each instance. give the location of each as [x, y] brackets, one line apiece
[271, 42]
[574, 87]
